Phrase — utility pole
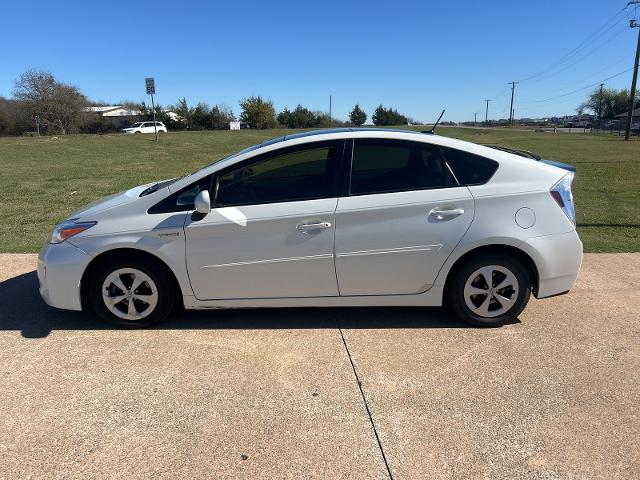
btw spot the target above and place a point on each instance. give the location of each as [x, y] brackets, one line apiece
[513, 88]
[475, 119]
[600, 107]
[632, 92]
[486, 112]
[330, 122]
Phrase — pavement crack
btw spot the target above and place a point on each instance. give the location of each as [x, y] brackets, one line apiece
[364, 400]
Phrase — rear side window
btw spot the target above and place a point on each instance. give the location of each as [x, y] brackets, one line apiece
[470, 169]
[384, 166]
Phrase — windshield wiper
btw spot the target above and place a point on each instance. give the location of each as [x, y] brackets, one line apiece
[156, 186]
[149, 190]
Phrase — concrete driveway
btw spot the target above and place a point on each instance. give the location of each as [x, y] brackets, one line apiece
[335, 393]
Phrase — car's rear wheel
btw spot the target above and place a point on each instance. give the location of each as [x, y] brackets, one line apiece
[489, 290]
[131, 292]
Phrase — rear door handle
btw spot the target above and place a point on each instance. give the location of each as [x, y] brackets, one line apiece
[444, 213]
[310, 227]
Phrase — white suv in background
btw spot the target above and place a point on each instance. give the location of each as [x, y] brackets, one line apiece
[145, 127]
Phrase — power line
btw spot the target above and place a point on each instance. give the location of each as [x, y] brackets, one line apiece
[595, 75]
[579, 89]
[580, 46]
[571, 65]
[500, 94]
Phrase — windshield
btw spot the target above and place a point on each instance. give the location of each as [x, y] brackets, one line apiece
[137, 124]
[247, 150]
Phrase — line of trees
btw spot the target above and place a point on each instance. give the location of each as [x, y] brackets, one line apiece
[39, 99]
[260, 113]
[200, 117]
[608, 103]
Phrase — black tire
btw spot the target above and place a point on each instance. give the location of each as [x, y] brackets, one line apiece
[455, 296]
[166, 294]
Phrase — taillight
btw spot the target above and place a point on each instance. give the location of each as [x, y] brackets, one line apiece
[561, 193]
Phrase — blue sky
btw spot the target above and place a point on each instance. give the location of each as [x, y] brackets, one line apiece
[416, 56]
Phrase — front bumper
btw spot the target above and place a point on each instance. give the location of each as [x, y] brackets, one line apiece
[60, 268]
[558, 258]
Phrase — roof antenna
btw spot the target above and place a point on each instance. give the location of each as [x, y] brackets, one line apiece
[435, 124]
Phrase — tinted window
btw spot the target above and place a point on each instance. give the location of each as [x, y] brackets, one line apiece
[380, 166]
[182, 200]
[301, 174]
[470, 169]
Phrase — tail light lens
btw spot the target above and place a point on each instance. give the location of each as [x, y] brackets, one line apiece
[561, 193]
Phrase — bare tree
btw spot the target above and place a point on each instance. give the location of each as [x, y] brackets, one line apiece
[58, 105]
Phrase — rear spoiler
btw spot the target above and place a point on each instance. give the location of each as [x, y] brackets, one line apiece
[533, 156]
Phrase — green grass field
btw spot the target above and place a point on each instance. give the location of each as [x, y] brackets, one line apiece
[44, 179]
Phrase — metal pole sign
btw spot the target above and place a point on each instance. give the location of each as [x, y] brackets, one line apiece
[151, 85]
[151, 90]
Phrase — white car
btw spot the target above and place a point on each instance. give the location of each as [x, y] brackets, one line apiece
[349, 217]
[145, 127]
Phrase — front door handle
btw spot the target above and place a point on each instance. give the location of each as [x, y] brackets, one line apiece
[445, 213]
[310, 227]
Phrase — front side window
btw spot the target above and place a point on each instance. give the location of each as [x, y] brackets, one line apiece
[300, 174]
[182, 200]
[384, 166]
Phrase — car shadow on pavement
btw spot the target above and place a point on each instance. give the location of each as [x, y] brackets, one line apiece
[22, 309]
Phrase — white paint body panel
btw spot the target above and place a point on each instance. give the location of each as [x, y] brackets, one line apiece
[379, 250]
[257, 251]
[388, 244]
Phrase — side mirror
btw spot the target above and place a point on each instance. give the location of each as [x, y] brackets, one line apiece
[202, 202]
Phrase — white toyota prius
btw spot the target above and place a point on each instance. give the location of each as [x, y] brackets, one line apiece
[349, 217]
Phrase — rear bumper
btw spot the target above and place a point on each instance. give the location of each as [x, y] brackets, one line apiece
[60, 268]
[558, 258]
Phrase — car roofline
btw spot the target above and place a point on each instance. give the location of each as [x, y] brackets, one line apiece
[312, 136]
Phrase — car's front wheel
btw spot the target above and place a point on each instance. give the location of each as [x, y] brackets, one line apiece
[130, 292]
[489, 290]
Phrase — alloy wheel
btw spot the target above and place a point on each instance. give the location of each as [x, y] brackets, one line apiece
[491, 291]
[129, 294]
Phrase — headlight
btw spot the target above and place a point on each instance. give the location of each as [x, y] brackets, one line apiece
[68, 229]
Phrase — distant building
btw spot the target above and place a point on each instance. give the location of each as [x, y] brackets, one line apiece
[238, 125]
[113, 111]
[635, 117]
[120, 116]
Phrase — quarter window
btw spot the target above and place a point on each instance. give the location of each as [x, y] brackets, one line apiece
[470, 169]
[298, 174]
[382, 166]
